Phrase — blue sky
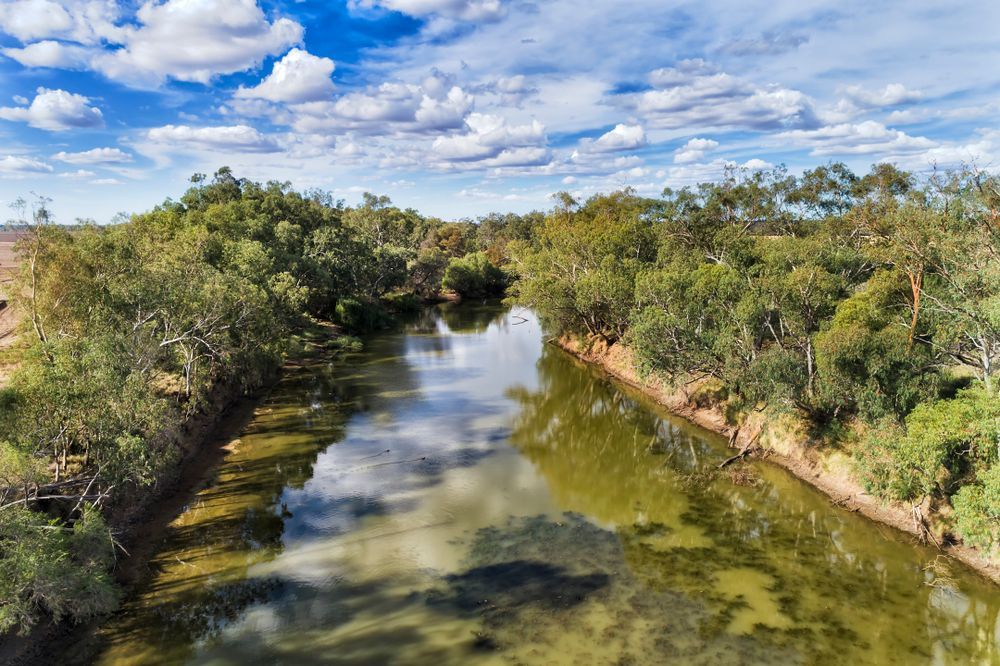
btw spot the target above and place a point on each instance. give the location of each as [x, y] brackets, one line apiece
[461, 107]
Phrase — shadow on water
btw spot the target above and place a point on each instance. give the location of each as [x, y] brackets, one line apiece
[772, 561]
[461, 493]
[200, 580]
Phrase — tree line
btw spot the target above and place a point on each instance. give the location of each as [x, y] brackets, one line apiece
[132, 329]
[867, 306]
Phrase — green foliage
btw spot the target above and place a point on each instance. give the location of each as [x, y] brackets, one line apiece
[939, 442]
[847, 299]
[977, 509]
[864, 357]
[474, 276]
[46, 567]
[134, 326]
[580, 274]
[360, 315]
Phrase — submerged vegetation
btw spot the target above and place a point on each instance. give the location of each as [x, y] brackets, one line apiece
[867, 306]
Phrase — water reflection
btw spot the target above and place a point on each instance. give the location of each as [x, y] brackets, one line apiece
[462, 493]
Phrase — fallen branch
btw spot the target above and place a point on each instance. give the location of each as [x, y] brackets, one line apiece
[744, 452]
[53, 497]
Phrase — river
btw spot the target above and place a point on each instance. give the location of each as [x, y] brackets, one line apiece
[460, 493]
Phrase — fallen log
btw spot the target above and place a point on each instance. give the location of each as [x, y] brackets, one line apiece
[744, 452]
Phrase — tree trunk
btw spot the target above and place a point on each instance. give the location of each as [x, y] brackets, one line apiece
[916, 284]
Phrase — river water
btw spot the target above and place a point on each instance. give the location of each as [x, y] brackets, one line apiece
[462, 493]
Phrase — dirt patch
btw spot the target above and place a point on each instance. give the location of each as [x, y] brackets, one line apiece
[10, 321]
[783, 443]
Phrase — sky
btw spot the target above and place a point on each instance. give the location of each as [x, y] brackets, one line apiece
[462, 107]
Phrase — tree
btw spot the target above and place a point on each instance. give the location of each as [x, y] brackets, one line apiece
[474, 276]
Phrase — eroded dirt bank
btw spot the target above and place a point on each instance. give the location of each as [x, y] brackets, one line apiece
[141, 517]
[780, 441]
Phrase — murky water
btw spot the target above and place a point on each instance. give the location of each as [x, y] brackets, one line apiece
[461, 493]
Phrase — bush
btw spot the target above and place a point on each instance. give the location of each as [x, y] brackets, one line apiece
[359, 316]
[46, 567]
[474, 276]
[941, 441]
[977, 509]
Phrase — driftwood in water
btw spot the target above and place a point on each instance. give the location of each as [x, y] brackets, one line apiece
[744, 452]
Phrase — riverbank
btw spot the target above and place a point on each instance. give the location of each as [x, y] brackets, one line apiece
[783, 443]
[141, 518]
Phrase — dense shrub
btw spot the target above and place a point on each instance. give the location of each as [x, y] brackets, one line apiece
[474, 276]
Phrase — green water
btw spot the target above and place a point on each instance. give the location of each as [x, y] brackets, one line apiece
[461, 493]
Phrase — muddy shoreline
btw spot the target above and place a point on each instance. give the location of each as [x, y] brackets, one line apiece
[818, 468]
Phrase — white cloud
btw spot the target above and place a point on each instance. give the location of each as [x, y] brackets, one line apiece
[55, 110]
[298, 77]
[983, 150]
[31, 19]
[756, 165]
[701, 172]
[512, 90]
[622, 137]
[893, 94]
[106, 181]
[235, 138]
[95, 156]
[769, 43]
[466, 10]
[694, 150]
[864, 138]
[389, 108]
[79, 174]
[49, 54]
[692, 94]
[524, 156]
[195, 40]
[13, 166]
[81, 21]
[491, 138]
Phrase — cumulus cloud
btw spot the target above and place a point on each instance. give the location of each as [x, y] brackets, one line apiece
[510, 90]
[893, 94]
[694, 150]
[234, 138]
[692, 174]
[49, 53]
[13, 166]
[693, 94]
[864, 138]
[465, 10]
[186, 40]
[622, 137]
[195, 40]
[81, 21]
[95, 156]
[55, 110]
[490, 138]
[389, 108]
[983, 149]
[298, 77]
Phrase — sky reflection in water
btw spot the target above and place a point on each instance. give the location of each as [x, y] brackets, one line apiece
[462, 493]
